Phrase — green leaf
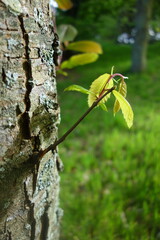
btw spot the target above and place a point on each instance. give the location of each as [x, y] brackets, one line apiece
[123, 91]
[59, 71]
[79, 59]
[77, 88]
[97, 87]
[85, 46]
[103, 106]
[66, 32]
[125, 107]
[64, 4]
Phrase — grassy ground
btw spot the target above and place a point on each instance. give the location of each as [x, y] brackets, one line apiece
[110, 187]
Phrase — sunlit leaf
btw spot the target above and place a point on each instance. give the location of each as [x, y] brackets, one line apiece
[79, 59]
[97, 87]
[59, 71]
[125, 107]
[85, 46]
[66, 32]
[103, 106]
[77, 88]
[64, 4]
[123, 91]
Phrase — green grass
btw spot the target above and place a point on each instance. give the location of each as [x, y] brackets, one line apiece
[110, 187]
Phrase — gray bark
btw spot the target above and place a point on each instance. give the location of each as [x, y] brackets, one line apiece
[29, 189]
[142, 19]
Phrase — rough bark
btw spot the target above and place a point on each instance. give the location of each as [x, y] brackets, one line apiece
[142, 19]
[29, 190]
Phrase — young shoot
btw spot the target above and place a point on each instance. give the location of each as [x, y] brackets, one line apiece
[98, 89]
[99, 93]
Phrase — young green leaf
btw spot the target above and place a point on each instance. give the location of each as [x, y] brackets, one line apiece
[125, 107]
[77, 88]
[64, 4]
[60, 71]
[79, 59]
[66, 32]
[103, 106]
[85, 46]
[123, 91]
[97, 87]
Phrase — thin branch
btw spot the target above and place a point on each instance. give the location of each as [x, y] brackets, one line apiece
[57, 142]
[111, 77]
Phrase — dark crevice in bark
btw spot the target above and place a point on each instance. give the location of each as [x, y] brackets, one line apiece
[31, 218]
[24, 126]
[9, 29]
[45, 224]
[35, 175]
[25, 119]
[3, 75]
[18, 111]
[57, 52]
[5, 226]
[37, 143]
[9, 235]
[59, 163]
[36, 148]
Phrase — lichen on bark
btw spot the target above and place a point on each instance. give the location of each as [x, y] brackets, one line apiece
[30, 114]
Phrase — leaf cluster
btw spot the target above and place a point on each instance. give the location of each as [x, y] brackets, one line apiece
[67, 33]
[90, 49]
[97, 93]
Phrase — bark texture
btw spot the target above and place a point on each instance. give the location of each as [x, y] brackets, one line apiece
[29, 190]
[142, 19]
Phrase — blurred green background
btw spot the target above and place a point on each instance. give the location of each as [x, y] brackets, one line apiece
[110, 186]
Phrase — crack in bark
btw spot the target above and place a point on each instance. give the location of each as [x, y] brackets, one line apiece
[3, 75]
[25, 119]
[37, 143]
[36, 148]
[31, 218]
[57, 54]
[8, 234]
[45, 223]
[35, 175]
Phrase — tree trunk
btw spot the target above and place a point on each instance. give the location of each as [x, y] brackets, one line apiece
[142, 19]
[29, 189]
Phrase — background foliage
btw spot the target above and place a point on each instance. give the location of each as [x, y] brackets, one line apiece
[104, 19]
[110, 184]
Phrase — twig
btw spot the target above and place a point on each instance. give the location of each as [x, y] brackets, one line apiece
[57, 142]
